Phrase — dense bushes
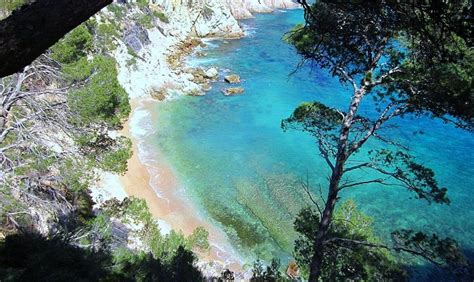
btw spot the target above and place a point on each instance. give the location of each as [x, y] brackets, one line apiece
[74, 46]
[341, 262]
[102, 99]
[34, 258]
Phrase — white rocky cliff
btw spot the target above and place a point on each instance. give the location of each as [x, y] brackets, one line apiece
[151, 70]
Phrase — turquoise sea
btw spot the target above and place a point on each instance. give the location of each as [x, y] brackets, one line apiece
[245, 173]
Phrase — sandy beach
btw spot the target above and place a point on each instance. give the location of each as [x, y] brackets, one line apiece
[158, 185]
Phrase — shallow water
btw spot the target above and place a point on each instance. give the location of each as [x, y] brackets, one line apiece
[245, 173]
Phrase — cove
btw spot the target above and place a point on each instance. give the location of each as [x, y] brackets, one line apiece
[245, 173]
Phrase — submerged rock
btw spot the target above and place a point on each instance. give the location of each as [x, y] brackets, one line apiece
[233, 91]
[233, 78]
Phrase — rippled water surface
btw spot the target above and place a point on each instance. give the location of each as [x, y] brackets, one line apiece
[245, 172]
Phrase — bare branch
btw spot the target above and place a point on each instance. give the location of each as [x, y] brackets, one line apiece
[420, 253]
[378, 180]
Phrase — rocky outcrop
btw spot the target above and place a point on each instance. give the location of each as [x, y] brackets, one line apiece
[158, 61]
[211, 73]
[216, 18]
[233, 78]
[135, 37]
[243, 9]
[233, 91]
[201, 18]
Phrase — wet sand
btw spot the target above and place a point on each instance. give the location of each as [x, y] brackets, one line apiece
[168, 203]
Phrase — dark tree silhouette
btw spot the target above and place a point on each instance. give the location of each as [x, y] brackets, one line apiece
[29, 31]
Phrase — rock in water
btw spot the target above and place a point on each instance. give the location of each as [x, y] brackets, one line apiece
[233, 91]
[159, 94]
[211, 73]
[233, 78]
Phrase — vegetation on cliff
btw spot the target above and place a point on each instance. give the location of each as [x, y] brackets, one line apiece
[57, 116]
[55, 134]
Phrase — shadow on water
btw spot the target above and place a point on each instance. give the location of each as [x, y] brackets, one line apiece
[429, 272]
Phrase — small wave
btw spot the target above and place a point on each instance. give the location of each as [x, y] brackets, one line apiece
[249, 31]
[227, 254]
[141, 124]
[154, 176]
[211, 43]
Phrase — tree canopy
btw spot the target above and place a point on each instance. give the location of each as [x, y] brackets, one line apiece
[413, 58]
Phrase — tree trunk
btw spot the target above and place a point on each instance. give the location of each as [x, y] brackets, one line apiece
[326, 217]
[31, 30]
[336, 176]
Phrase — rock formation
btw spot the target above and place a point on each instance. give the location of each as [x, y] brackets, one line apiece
[233, 78]
[233, 91]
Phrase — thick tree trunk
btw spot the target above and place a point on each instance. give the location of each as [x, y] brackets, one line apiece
[31, 30]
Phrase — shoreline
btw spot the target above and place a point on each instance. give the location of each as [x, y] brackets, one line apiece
[172, 210]
[148, 176]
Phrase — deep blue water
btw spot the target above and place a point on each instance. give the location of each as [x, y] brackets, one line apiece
[245, 172]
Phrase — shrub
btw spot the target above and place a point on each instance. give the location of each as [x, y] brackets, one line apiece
[116, 160]
[103, 99]
[161, 16]
[145, 20]
[73, 46]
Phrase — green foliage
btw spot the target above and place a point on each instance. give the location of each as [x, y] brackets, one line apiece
[11, 4]
[145, 20]
[33, 258]
[129, 266]
[445, 252]
[74, 46]
[77, 71]
[453, 74]
[163, 247]
[105, 152]
[311, 116]
[116, 160]
[118, 10]
[405, 56]
[75, 175]
[132, 61]
[130, 210]
[345, 261]
[102, 99]
[182, 268]
[142, 3]
[198, 239]
[9, 204]
[416, 177]
[161, 16]
[431, 49]
[271, 273]
[105, 33]
[30, 257]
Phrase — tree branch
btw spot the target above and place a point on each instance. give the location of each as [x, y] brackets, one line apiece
[31, 30]
[420, 253]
